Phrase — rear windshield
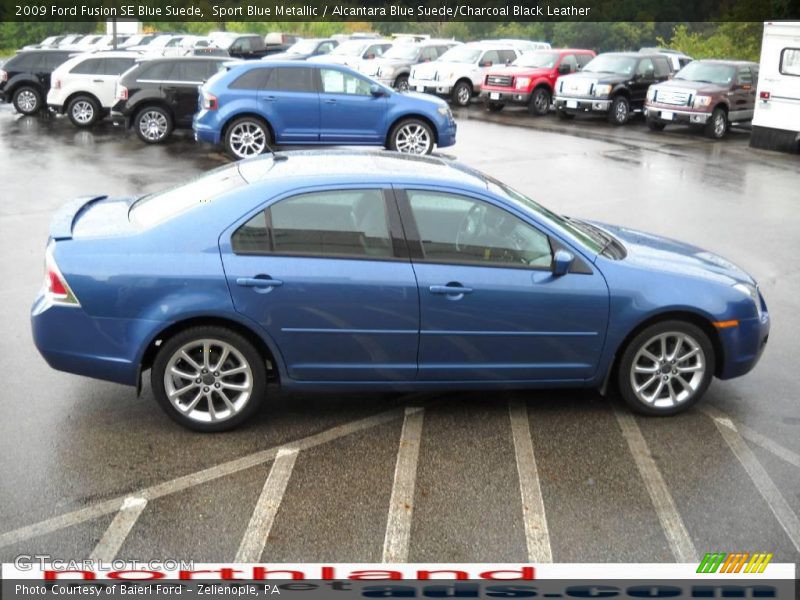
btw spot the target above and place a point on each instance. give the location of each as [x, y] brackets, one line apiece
[161, 206]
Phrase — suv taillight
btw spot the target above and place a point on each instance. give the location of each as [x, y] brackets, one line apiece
[3, 76]
[764, 95]
[56, 84]
[122, 92]
[56, 286]
[210, 101]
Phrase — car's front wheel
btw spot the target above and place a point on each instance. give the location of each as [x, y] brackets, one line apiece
[666, 368]
[462, 93]
[539, 103]
[620, 111]
[209, 378]
[83, 111]
[153, 124]
[245, 137]
[27, 100]
[411, 136]
[717, 125]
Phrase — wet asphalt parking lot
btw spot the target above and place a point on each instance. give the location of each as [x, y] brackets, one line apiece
[450, 477]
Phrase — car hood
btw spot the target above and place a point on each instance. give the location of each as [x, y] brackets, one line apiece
[391, 62]
[663, 254]
[429, 69]
[422, 101]
[520, 71]
[599, 77]
[696, 87]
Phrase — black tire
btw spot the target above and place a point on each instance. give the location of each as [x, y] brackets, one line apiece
[620, 111]
[153, 124]
[655, 126]
[539, 104]
[717, 125]
[645, 339]
[83, 111]
[415, 127]
[495, 106]
[239, 147]
[562, 114]
[27, 100]
[462, 93]
[401, 83]
[254, 360]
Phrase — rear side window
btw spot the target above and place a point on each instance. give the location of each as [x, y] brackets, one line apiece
[22, 62]
[340, 223]
[191, 71]
[92, 66]
[790, 62]
[291, 79]
[254, 79]
[53, 59]
[117, 66]
[160, 71]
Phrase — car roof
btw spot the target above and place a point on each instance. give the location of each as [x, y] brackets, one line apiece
[725, 61]
[631, 54]
[342, 165]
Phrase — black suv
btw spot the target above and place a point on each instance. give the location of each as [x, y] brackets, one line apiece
[157, 96]
[614, 83]
[25, 78]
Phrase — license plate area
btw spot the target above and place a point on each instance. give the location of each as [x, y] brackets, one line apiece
[572, 104]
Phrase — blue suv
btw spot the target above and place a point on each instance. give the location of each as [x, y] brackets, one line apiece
[250, 106]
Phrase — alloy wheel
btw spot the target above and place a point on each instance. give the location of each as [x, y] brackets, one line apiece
[247, 139]
[153, 125]
[621, 112]
[541, 102]
[208, 380]
[412, 138]
[667, 370]
[463, 95]
[719, 125]
[27, 101]
[83, 112]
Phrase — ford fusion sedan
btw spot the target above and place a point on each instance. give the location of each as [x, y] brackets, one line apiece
[379, 271]
[254, 105]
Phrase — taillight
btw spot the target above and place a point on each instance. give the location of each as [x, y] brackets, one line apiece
[122, 92]
[3, 76]
[56, 287]
[764, 96]
[56, 84]
[210, 101]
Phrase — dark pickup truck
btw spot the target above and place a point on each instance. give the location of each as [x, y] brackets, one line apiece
[247, 46]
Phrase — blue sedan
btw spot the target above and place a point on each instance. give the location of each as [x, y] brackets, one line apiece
[251, 106]
[335, 270]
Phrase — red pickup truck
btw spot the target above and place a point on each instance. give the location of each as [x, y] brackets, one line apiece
[530, 79]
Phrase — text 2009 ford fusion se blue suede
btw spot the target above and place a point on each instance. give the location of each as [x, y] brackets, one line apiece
[369, 271]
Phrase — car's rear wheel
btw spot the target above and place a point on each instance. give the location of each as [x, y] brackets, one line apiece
[717, 125]
[620, 111]
[462, 93]
[655, 126]
[666, 368]
[539, 103]
[153, 124]
[27, 100]
[247, 136]
[209, 378]
[83, 111]
[411, 136]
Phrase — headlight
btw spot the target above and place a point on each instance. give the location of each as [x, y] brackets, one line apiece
[701, 101]
[752, 291]
[444, 111]
[602, 90]
[651, 93]
[523, 83]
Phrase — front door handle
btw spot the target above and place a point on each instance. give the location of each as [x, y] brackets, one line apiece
[258, 282]
[330, 101]
[450, 290]
[269, 98]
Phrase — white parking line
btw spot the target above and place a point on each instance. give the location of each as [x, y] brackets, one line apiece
[752, 435]
[187, 481]
[401, 504]
[671, 522]
[112, 540]
[537, 535]
[255, 537]
[763, 482]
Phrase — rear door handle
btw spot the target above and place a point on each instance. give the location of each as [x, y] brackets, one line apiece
[256, 282]
[450, 290]
[269, 98]
[97, 81]
[330, 101]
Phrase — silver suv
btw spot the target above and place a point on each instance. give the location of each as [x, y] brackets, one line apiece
[394, 67]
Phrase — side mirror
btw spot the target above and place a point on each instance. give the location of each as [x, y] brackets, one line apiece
[563, 68]
[562, 261]
[376, 90]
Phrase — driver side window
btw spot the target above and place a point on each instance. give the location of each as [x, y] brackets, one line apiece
[458, 229]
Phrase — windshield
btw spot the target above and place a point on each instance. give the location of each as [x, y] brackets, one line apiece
[154, 208]
[707, 73]
[349, 48]
[303, 47]
[621, 65]
[402, 52]
[537, 60]
[461, 54]
[589, 237]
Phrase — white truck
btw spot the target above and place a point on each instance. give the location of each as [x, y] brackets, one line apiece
[776, 121]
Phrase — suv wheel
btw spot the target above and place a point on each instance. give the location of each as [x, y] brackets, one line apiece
[27, 100]
[209, 378]
[717, 125]
[411, 136]
[655, 126]
[247, 137]
[620, 111]
[539, 103]
[401, 83]
[666, 368]
[462, 93]
[83, 111]
[153, 124]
